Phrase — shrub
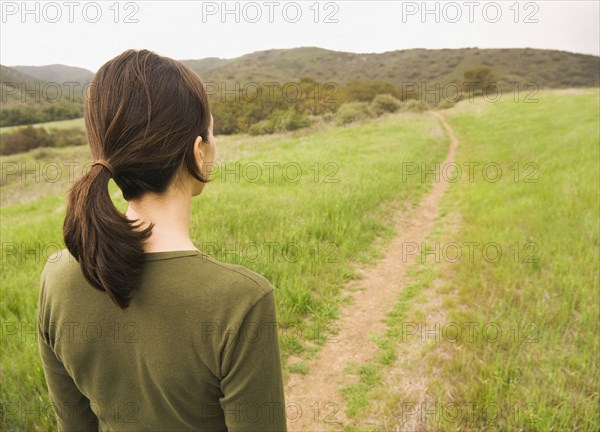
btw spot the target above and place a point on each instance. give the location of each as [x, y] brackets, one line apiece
[68, 137]
[263, 110]
[328, 117]
[413, 105]
[353, 111]
[289, 120]
[478, 79]
[365, 90]
[263, 127]
[26, 138]
[280, 121]
[29, 114]
[385, 103]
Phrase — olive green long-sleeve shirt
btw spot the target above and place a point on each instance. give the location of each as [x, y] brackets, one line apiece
[197, 349]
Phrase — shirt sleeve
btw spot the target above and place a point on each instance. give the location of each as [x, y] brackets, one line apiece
[72, 408]
[252, 384]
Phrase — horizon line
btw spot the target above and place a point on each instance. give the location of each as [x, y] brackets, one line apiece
[325, 49]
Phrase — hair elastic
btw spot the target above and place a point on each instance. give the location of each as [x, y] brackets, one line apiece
[106, 165]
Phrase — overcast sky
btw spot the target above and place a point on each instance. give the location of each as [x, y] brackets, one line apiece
[85, 34]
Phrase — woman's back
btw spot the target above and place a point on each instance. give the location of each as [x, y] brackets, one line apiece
[138, 329]
[195, 350]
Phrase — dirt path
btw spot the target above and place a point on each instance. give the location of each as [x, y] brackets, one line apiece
[314, 401]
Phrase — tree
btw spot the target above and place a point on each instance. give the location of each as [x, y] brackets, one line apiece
[366, 90]
[479, 81]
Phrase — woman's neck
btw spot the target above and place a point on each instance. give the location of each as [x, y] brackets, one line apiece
[170, 214]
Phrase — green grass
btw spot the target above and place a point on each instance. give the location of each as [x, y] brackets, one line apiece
[299, 368]
[553, 375]
[40, 173]
[60, 124]
[542, 374]
[546, 380]
[318, 227]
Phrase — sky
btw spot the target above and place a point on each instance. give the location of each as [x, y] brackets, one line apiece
[87, 34]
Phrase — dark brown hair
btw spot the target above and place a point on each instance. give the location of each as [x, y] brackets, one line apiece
[142, 115]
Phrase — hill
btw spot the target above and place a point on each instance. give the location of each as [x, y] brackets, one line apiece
[206, 64]
[13, 82]
[403, 73]
[546, 68]
[26, 99]
[57, 73]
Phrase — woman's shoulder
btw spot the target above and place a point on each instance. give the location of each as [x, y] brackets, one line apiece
[195, 276]
[235, 276]
[188, 276]
[227, 293]
[60, 263]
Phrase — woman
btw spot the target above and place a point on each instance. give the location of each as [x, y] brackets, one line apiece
[138, 329]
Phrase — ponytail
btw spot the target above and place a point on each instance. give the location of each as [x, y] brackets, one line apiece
[143, 113]
[107, 245]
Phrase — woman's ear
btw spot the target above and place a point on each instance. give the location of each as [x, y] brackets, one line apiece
[199, 156]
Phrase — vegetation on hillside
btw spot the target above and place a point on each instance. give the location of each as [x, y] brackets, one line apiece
[27, 100]
[430, 75]
[545, 68]
[27, 138]
[57, 73]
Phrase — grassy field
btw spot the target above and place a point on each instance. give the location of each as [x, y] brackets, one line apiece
[530, 361]
[60, 124]
[544, 372]
[298, 208]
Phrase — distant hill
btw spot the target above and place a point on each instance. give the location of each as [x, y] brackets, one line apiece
[27, 100]
[423, 67]
[57, 73]
[10, 93]
[203, 65]
[17, 82]
[546, 68]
